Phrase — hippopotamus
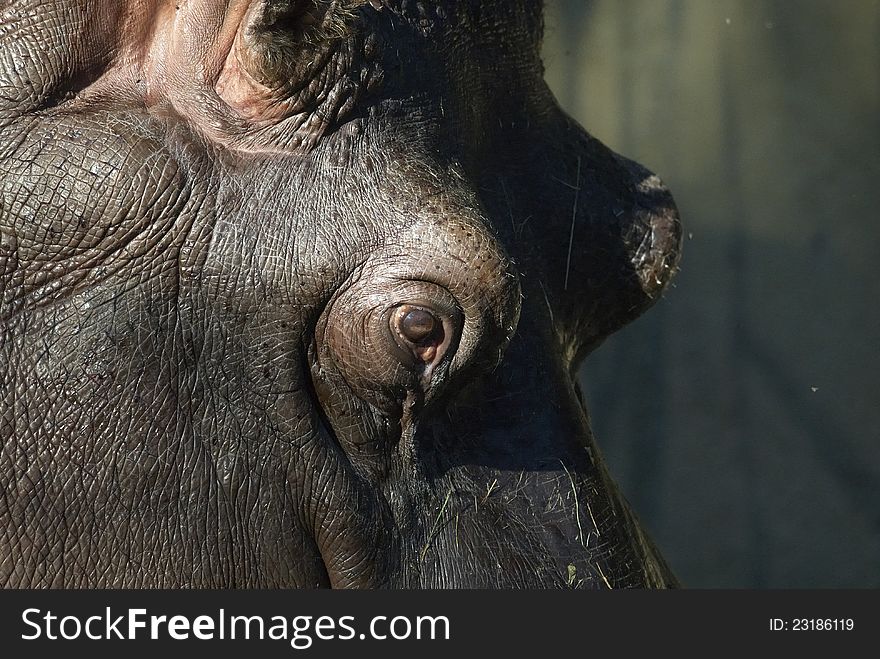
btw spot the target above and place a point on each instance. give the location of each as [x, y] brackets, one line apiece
[294, 295]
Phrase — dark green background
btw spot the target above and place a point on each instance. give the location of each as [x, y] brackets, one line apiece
[741, 414]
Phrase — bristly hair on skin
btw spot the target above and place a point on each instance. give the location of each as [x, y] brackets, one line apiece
[286, 32]
[305, 23]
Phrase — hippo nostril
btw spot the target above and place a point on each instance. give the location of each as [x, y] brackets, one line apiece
[418, 325]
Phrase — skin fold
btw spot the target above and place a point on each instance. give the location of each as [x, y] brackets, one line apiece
[293, 295]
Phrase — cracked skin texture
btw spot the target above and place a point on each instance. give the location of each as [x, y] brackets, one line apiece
[213, 217]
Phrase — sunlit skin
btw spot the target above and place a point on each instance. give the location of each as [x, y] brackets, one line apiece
[293, 294]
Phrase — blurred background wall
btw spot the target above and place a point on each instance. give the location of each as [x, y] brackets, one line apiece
[741, 415]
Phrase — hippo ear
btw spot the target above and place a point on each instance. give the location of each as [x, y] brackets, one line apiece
[280, 50]
[276, 33]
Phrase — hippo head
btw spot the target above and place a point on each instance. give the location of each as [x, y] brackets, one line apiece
[294, 293]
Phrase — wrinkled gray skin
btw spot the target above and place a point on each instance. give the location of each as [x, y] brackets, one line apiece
[215, 217]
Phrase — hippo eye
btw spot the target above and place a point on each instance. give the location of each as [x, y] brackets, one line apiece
[416, 325]
[389, 339]
[417, 330]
